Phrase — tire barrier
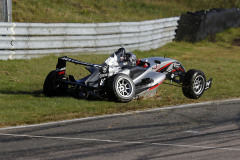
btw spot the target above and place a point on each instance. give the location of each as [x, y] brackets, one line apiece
[27, 40]
[199, 25]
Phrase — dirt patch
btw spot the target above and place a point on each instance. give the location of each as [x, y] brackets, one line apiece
[236, 41]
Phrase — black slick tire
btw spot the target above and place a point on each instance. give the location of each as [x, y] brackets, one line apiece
[52, 87]
[193, 85]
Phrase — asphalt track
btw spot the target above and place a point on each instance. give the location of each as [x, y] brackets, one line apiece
[199, 131]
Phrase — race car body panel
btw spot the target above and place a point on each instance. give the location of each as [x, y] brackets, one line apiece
[123, 77]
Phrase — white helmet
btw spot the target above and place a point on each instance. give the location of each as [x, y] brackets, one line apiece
[131, 58]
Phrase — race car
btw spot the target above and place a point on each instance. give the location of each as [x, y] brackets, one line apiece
[123, 77]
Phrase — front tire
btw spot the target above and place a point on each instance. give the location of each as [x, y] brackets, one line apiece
[193, 85]
[121, 88]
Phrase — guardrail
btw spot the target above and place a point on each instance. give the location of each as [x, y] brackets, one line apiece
[27, 40]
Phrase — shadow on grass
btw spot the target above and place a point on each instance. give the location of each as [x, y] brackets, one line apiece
[37, 93]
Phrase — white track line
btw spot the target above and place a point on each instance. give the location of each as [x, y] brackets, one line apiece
[123, 142]
[123, 114]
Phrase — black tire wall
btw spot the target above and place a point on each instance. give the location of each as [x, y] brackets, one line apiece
[199, 25]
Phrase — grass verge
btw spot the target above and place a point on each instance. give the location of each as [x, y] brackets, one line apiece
[95, 11]
[22, 101]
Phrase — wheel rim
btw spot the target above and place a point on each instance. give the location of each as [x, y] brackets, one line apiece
[124, 87]
[198, 85]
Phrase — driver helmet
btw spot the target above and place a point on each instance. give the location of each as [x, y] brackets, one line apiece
[131, 58]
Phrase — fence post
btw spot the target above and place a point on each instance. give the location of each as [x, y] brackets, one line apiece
[5, 10]
[9, 10]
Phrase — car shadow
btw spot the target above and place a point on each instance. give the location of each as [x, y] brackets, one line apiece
[37, 93]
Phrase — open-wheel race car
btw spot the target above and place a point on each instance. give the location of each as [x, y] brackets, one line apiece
[123, 77]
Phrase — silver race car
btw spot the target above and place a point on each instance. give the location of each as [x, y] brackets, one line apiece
[123, 77]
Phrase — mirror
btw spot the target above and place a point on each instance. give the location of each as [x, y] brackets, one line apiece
[157, 61]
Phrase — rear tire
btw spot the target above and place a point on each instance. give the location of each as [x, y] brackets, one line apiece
[193, 85]
[52, 87]
[121, 88]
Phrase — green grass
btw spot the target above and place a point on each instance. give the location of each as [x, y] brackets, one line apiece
[22, 101]
[95, 11]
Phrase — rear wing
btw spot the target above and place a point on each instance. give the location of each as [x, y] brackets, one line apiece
[61, 65]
